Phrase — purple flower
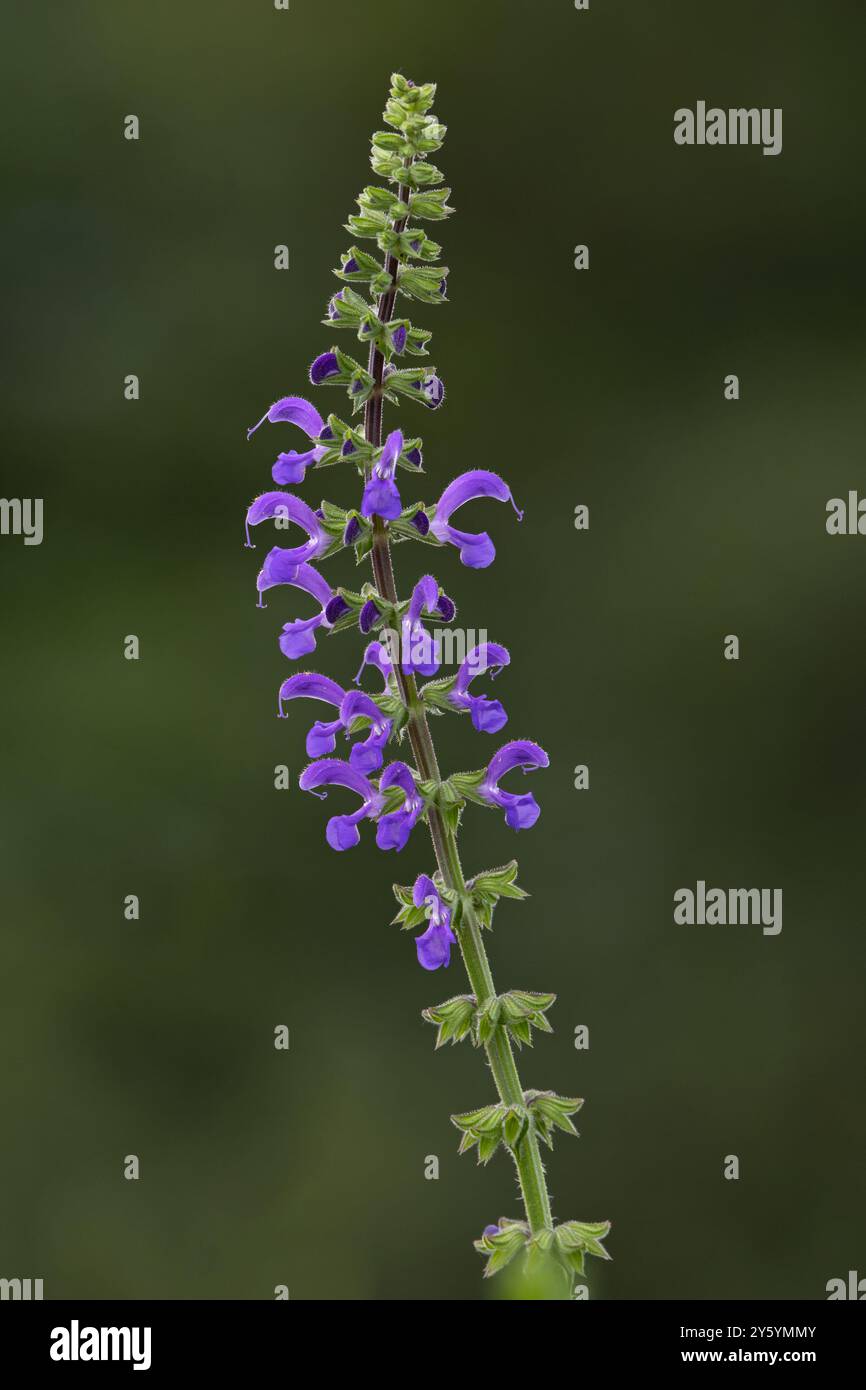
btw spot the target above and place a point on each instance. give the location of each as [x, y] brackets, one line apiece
[367, 756]
[351, 531]
[309, 686]
[376, 654]
[419, 650]
[398, 338]
[350, 266]
[434, 946]
[432, 389]
[299, 637]
[285, 506]
[380, 492]
[488, 716]
[324, 366]
[294, 410]
[476, 550]
[395, 827]
[521, 811]
[342, 831]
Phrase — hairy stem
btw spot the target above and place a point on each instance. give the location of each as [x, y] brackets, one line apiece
[500, 1055]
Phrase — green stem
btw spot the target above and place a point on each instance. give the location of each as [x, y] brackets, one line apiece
[500, 1055]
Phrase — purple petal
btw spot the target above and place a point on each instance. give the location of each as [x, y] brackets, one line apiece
[381, 498]
[299, 576]
[434, 946]
[398, 775]
[424, 888]
[298, 639]
[521, 812]
[376, 655]
[324, 366]
[309, 685]
[291, 467]
[293, 410]
[335, 773]
[518, 753]
[387, 462]
[467, 488]
[488, 716]
[288, 507]
[487, 656]
[322, 738]
[342, 832]
[424, 598]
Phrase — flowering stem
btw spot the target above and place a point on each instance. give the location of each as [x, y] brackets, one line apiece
[499, 1052]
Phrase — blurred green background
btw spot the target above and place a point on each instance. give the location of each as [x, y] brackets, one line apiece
[707, 518]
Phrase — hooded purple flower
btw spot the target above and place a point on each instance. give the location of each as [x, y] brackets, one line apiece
[521, 811]
[398, 338]
[324, 366]
[434, 946]
[364, 757]
[380, 491]
[294, 410]
[419, 649]
[395, 827]
[476, 550]
[342, 831]
[299, 638]
[286, 507]
[309, 686]
[376, 654]
[488, 716]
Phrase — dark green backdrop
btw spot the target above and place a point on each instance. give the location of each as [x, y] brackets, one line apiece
[707, 518]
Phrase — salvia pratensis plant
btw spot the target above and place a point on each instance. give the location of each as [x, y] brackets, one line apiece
[396, 795]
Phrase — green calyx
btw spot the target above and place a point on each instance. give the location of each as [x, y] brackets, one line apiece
[490, 1127]
[518, 1011]
[567, 1244]
[550, 1112]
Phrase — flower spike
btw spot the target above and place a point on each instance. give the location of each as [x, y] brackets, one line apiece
[402, 269]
